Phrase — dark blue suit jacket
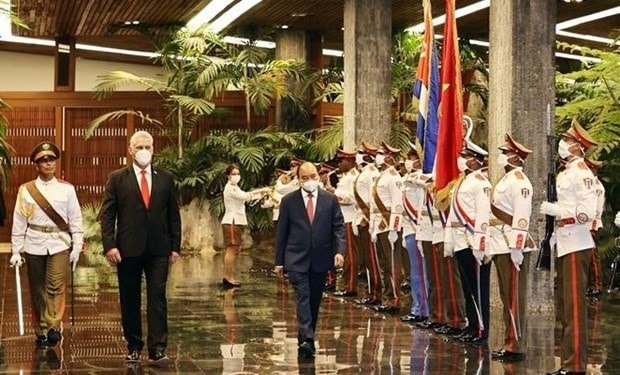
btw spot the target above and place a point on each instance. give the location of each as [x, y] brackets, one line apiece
[304, 247]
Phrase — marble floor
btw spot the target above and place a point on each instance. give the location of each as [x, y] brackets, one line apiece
[252, 330]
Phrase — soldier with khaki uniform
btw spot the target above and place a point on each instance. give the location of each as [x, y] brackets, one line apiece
[47, 229]
[510, 245]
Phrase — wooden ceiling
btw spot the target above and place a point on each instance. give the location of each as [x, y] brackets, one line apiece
[101, 22]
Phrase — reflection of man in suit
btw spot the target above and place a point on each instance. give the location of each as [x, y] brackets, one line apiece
[141, 229]
[309, 242]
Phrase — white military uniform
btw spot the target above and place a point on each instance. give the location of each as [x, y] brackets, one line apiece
[30, 222]
[470, 211]
[234, 204]
[512, 195]
[428, 213]
[363, 185]
[280, 190]
[577, 204]
[346, 196]
[599, 190]
[412, 197]
[388, 189]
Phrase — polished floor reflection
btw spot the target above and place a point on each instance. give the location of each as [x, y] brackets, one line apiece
[252, 330]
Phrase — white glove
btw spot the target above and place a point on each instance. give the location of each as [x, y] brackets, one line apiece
[617, 220]
[393, 236]
[16, 260]
[551, 209]
[355, 230]
[74, 256]
[479, 255]
[448, 249]
[516, 256]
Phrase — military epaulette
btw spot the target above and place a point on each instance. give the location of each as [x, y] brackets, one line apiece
[582, 165]
[393, 172]
[519, 175]
[64, 182]
[480, 177]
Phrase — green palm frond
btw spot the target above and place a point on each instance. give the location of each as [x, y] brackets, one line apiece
[251, 158]
[196, 106]
[400, 136]
[328, 140]
[114, 80]
[114, 115]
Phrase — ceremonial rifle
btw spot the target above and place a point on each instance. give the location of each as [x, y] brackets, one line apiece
[544, 255]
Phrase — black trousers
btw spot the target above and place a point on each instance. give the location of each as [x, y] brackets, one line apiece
[308, 288]
[130, 272]
[476, 281]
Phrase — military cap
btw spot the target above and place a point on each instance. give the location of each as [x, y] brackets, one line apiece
[367, 148]
[578, 133]
[326, 168]
[387, 149]
[344, 154]
[474, 150]
[514, 146]
[593, 164]
[45, 148]
[295, 161]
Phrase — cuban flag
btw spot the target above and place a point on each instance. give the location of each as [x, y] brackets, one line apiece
[427, 91]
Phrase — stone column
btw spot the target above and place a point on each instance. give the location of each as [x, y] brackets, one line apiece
[291, 44]
[521, 101]
[367, 75]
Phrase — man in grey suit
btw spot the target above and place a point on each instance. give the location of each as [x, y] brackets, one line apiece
[310, 241]
[141, 230]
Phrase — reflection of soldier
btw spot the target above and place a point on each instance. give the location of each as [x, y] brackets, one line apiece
[594, 278]
[361, 189]
[575, 208]
[45, 361]
[597, 350]
[386, 223]
[509, 243]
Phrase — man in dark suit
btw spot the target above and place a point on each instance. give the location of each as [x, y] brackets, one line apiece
[310, 241]
[141, 230]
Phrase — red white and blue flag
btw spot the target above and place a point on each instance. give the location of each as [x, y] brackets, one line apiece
[426, 89]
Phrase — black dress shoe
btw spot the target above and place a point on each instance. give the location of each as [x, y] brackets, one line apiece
[53, 337]
[329, 288]
[133, 355]
[405, 286]
[366, 301]
[473, 339]
[507, 356]
[410, 318]
[566, 372]
[344, 293]
[306, 349]
[158, 358]
[386, 309]
[227, 284]
[429, 325]
[593, 292]
[41, 342]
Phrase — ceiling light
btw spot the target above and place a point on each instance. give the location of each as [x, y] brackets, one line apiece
[591, 38]
[284, 27]
[232, 14]
[208, 13]
[461, 12]
[590, 17]
[302, 14]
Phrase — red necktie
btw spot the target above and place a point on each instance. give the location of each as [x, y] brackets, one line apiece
[310, 208]
[144, 189]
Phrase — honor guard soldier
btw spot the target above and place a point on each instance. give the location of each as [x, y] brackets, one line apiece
[362, 187]
[386, 221]
[285, 183]
[594, 278]
[346, 197]
[412, 196]
[510, 245]
[469, 218]
[47, 228]
[574, 211]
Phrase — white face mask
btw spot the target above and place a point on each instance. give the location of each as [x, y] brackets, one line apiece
[235, 178]
[359, 159]
[461, 164]
[563, 147]
[380, 160]
[310, 186]
[143, 157]
[409, 165]
[502, 159]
